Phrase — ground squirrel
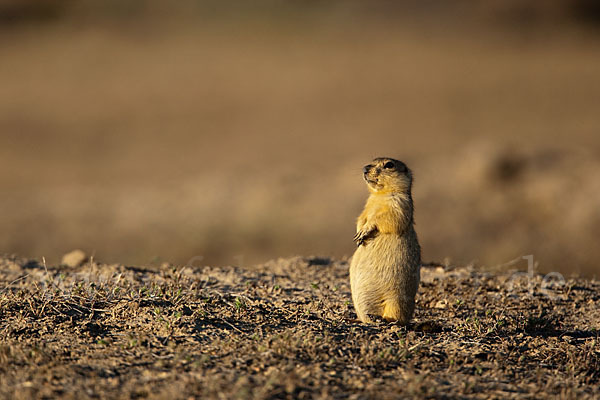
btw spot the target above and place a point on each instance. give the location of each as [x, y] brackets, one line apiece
[385, 269]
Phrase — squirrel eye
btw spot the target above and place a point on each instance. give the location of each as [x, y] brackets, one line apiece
[389, 165]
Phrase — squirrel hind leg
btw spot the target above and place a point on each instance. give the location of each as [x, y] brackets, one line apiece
[396, 310]
[362, 310]
[362, 315]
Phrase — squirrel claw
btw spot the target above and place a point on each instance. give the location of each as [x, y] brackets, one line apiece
[362, 236]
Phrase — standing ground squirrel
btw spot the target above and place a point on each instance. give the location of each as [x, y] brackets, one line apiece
[385, 269]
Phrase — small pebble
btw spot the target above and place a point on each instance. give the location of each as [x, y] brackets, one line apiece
[74, 258]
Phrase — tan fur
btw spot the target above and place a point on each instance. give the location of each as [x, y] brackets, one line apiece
[385, 269]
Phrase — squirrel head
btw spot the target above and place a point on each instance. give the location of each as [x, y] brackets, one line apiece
[388, 176]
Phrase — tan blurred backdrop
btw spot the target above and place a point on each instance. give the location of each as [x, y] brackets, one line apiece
[144, 131]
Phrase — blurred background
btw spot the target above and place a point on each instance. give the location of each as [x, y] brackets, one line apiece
[235, 132]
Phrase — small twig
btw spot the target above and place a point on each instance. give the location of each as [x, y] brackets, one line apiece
[89, 308]
[231, 325]
[45, 266]
[17, 280]
[414, 347]
[56, 310]
[162, 357]
[44, 307]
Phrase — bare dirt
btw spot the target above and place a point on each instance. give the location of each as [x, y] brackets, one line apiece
[286, 330]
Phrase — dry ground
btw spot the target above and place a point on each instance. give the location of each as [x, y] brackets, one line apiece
[287, 330]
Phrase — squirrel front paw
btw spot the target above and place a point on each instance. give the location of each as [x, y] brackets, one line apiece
[363, 235]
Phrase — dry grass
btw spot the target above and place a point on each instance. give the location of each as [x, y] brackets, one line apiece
[287, 330]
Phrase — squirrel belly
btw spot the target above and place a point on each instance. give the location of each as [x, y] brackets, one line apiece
[384, 277]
